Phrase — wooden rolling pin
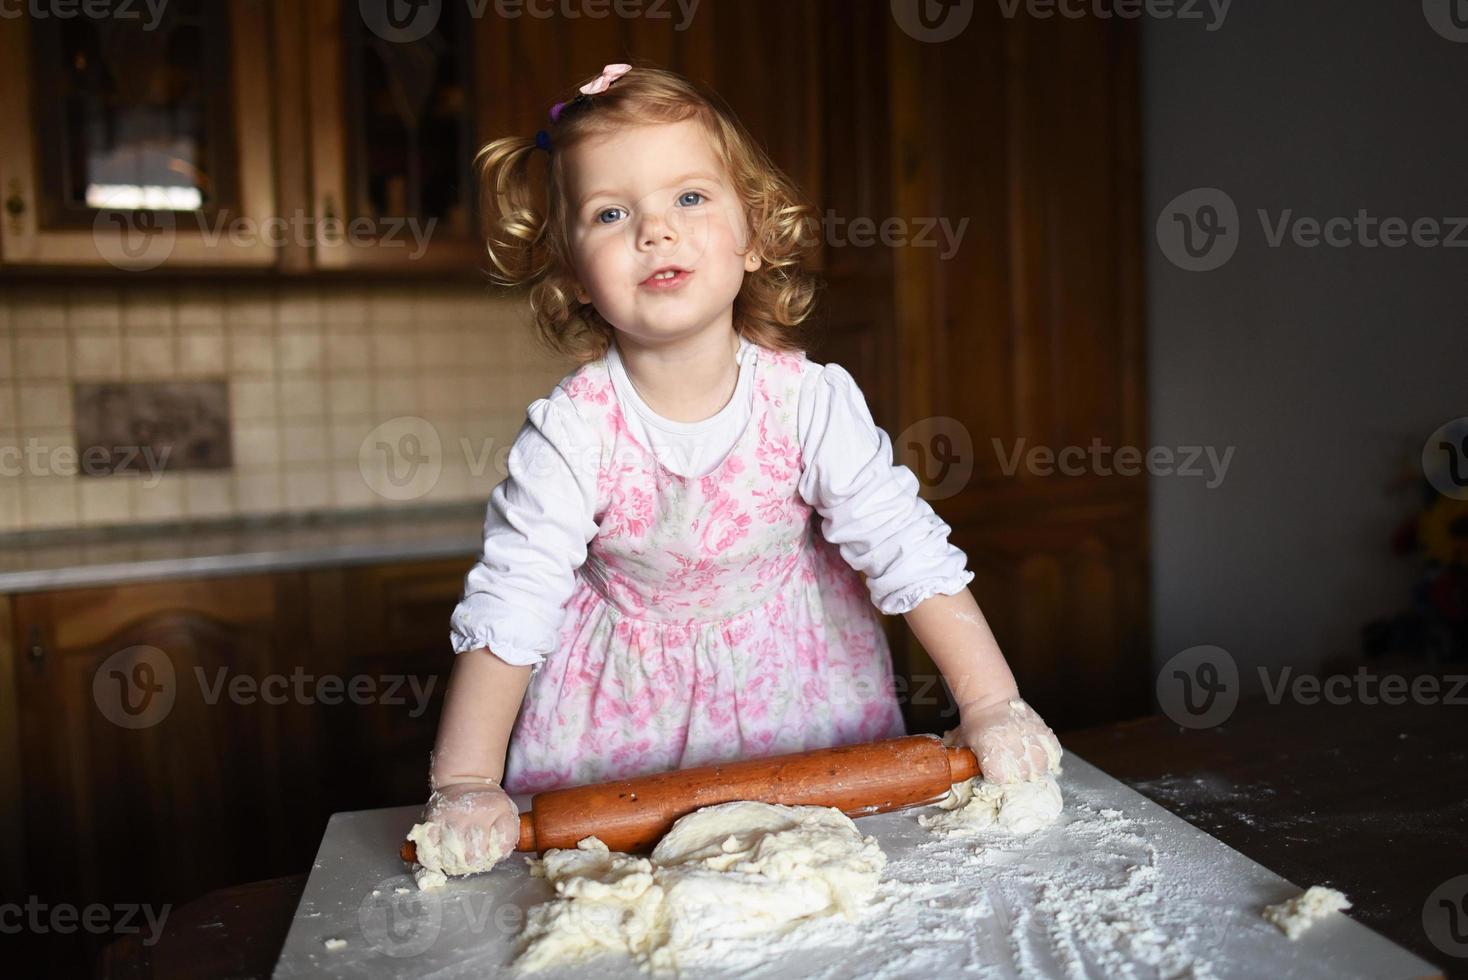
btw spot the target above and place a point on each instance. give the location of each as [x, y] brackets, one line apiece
[632, 815]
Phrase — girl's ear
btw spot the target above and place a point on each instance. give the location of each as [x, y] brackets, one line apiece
[582, 296]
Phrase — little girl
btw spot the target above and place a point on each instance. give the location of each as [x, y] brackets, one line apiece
[654, 592]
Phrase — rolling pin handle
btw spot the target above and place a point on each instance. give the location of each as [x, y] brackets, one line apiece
[962, 764]
[527, 833]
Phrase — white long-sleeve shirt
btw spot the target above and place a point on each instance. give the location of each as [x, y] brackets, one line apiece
[541, 517]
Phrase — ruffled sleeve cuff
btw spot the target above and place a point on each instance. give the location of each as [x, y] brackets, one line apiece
[906, 599]
[468, 631]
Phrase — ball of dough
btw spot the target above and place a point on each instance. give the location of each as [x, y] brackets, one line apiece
[977, 806]
[725, 872]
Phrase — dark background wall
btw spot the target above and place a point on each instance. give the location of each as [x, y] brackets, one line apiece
[1325, 368]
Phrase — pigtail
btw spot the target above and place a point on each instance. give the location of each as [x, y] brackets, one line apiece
[511, 200]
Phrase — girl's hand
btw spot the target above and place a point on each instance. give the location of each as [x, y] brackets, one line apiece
[1012, 743]
[467, 827]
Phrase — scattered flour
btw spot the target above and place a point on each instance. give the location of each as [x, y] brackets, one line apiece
[1301, 912]
[726, 873]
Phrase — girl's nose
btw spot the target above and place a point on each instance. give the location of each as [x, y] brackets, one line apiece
[654, 231]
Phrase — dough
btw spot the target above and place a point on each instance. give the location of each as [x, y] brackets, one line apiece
[725, 872]
[975, 806]
[1297, 914]
[444, 850]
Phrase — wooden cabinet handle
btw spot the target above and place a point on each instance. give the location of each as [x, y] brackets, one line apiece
[36, 646]
[15, 206]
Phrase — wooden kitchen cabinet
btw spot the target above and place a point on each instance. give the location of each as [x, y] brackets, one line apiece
[325, 142]
[130, 144]
[143, 779]
[391, 116]
[391, 623]
[173, 737]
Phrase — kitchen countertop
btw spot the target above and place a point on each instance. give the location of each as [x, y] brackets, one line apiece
[1372, 799]
[38, 560]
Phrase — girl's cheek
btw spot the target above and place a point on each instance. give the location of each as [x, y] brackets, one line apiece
[731, 227]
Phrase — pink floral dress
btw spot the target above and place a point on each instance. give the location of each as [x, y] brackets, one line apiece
[711, 621]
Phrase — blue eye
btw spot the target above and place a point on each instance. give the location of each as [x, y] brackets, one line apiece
[687, 194]
[603, 216]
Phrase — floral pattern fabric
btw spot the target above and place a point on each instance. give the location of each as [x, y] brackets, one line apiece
[711, 621]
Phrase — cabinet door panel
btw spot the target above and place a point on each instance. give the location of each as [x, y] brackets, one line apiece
[150, 745]
[134, 145]
[389, 624]
[393, 127]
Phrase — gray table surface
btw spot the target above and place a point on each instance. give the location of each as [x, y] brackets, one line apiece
[951, 908]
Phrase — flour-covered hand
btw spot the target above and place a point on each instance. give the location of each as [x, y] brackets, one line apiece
[466, 827]
[1012, 742]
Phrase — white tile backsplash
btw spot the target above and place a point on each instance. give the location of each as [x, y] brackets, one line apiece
[312, 368]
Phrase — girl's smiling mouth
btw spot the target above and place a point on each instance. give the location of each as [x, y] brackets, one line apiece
[668, 277]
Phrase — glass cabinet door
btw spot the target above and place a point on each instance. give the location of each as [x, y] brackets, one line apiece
[393, 119]
[139, 113]
[138, 137]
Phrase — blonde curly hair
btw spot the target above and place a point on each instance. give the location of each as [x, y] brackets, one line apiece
[525, 209]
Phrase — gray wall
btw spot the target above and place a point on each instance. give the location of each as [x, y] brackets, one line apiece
[1326, 368]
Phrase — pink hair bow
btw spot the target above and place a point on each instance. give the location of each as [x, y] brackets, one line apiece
[602, 82]
[597, 85]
